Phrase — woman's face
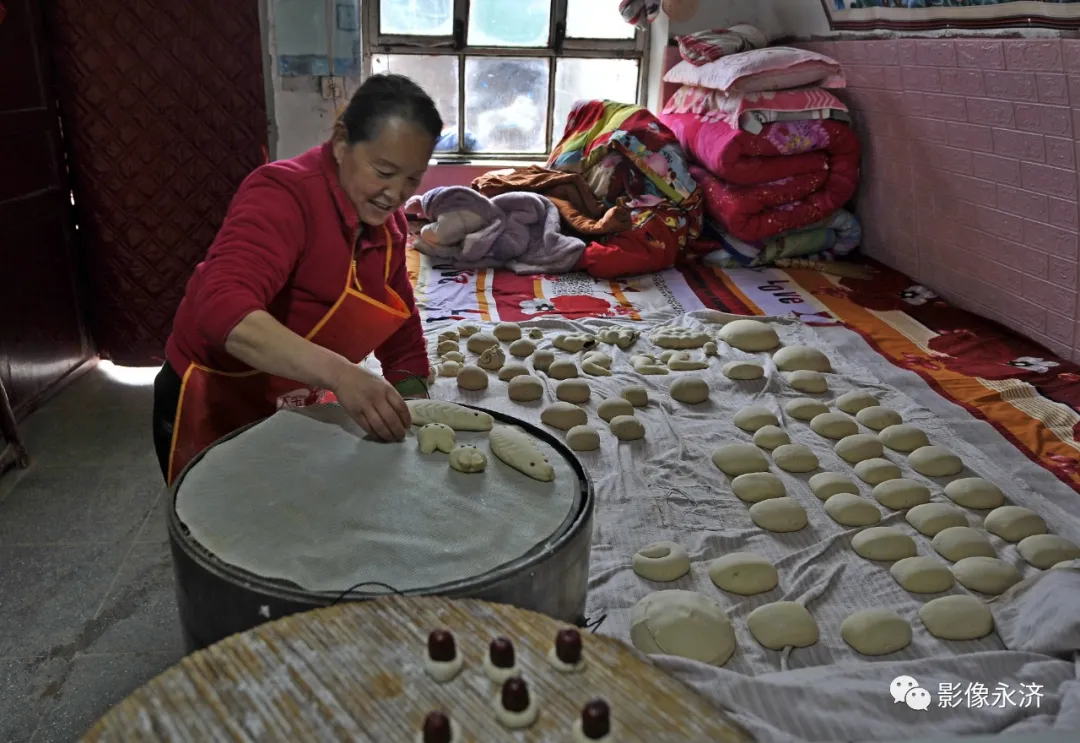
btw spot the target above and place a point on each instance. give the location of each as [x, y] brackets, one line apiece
[381, 174]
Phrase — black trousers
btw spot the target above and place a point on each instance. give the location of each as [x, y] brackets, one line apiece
[167, 386]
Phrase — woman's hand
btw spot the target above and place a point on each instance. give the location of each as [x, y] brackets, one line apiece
[373, 403]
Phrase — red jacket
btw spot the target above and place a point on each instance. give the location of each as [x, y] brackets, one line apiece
[285, 247]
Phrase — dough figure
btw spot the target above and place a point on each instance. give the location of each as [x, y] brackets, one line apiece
[436, 437]
[438, 728]
[515, 707]
[594, 724]
[492, 359]
[468, 459]
[567, 654]
[442, 662]
[500, 663]
[516, 448]
[662, 562]
[458, 417]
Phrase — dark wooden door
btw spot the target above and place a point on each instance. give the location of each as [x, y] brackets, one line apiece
[42, 334]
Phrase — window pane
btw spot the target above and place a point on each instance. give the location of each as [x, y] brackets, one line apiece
[509, 22]
[438, 75]
[575, 79]
[506, 103]
[596, 19]
[417, 17]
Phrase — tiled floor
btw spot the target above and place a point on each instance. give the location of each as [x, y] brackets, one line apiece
[87, 610]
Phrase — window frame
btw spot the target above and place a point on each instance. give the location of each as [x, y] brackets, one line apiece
[559, 46]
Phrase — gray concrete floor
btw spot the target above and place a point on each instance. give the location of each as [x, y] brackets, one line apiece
[87, 609]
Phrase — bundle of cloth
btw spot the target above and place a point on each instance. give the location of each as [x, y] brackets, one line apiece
[771, 148]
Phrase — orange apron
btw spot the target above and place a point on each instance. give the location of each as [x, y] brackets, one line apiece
[214, 403]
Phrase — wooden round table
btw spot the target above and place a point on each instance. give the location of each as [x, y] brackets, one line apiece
[355, 672]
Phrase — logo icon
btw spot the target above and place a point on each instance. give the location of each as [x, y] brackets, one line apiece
[907, 690]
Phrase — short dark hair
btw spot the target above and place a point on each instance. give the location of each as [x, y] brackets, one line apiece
[387, 96]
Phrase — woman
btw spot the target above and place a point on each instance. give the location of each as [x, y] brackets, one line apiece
[305, 278]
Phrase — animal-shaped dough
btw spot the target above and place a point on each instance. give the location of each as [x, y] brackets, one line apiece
[574, 342]
[458, 417]
[436, 437]
[515, 448]
[644, 364]
[593, 369]
[468, 459]
[492, 359]
[681, 361]
[621, 337]
[447, 347]
[467, 329]
[454, 356]
[448, 335]
[680, 338]
[449, 369]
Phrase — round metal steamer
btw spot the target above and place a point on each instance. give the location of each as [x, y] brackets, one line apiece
[217, 599]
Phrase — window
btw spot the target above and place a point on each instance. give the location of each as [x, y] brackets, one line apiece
[505, 73]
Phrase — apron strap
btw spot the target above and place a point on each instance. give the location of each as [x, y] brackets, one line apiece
[354, 279]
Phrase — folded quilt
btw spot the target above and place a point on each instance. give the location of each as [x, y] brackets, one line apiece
[832, 238]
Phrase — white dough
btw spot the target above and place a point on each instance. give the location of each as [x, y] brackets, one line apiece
[443, 671]
[573, 390]
[560, 666]
[682, 362]
[754, 417]
[627, 428]
[583, 438]
[783, 624]
[674, 337]
[805, 409]
[975, 492]
[884, 543]
[614, 406]
[542, 360]
[436, 437]
[876, 632]
[743, 573]
[454, 356]
[861, 446]
[447, 347]
[903, 438]
[507, 331]
[795, 458]
[935, 461]
[854, 401]
[931, 518]
[449, 369]
[877, 418]
[691, 390]
[564, 416]
[743, 371]
[480, 342]
[749, 335]
[525, 389]
[571, 342]
[536, 334]
[848, 509]
[987, 575]
[636, 396]
[467, 329]
[922, 574]
[1047, 550]
[770, 437]
[593, 369]
[562, 369]
[662, 562]
[779, 515]
[1013, 523]
[448, 335]
[827, 484]
[808, 381]
[957, 542]
[472, 378]
[517, 720]
[508, 372]
[516, 448]
[458, 417]
[833, 426]
[710, 349]
[522, 348]
[740, 459]
[599, 359]
[959, 617]
[647, 365]
[468, 459]
[492, 359]
[682, 623]
[757, 486]
[876, 471]
[500, 675]
[798, 358]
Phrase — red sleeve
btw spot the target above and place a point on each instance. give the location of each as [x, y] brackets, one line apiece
[404, 354]
[252, 257]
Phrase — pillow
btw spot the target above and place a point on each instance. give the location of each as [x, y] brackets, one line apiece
[775, 68]
[703, 47]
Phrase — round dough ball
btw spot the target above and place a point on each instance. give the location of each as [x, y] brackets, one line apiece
[691, 390]
[782, 624]
[922, 574]
[510, 371]
[564, 416]
[957, 542]
[757, 486]
[662, 562]
[877, 418]
[987, 575]
[885, 543]
[627, 428]
[583, 438]
[614, 407]
[779, 515]
[743, 371]
[903, 438]
[935, 461]
[860, 447]
[536, 334]
[808, 381]
[562, 369]
[801, 358]
[749, 335]
[682, 623]
[542, 360]
[739, 459]
[876, 471]
[1013, 523]
[525, 389]
[931, 518]
[795, 458]
[573, 390]
[805, 409]
[522, 348]
[754, 417]
[449, 369]
[827, 484]
[854, 401]
[743, 573]
[636, 396]
[507, 331]
[480, 342]
[770, 437]
[975, 492]
[833, 426]
[472, 378]
[959, 617]
[876, 631]
[1047, 550]
[847, 509]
